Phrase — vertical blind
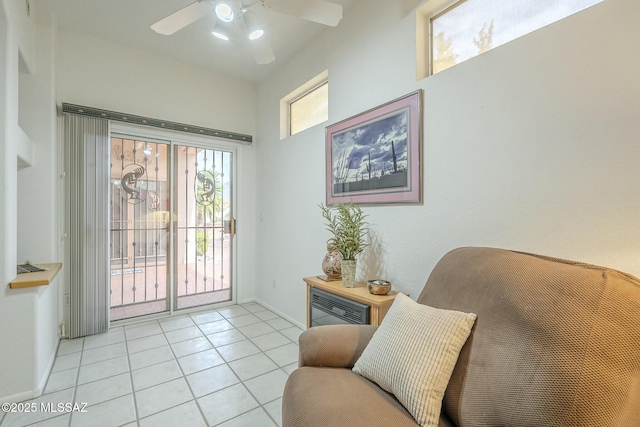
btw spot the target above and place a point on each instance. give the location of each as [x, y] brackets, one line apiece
[87, 190]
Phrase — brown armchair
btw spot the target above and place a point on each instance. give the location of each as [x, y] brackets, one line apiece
[556, 343]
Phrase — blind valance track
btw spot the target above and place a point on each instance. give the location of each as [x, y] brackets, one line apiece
[146, 121]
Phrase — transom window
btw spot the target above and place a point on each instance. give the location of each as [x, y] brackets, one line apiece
[309, 109]
[305, 107]
[468, 28]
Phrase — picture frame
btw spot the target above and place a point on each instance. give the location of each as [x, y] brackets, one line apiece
[376, 156]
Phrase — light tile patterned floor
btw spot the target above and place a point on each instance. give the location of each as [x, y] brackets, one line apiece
[224, 367]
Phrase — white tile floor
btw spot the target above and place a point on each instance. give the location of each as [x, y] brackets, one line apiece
[224, 367]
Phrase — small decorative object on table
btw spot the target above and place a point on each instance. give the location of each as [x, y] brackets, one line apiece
[348, 227]
[331, 264]
[379, 287]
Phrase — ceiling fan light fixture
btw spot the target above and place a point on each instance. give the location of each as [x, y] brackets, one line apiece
[220, 35]
[255, 35]
[224, 12]
[253, 29]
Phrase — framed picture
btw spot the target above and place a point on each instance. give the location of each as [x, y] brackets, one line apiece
[375, 156]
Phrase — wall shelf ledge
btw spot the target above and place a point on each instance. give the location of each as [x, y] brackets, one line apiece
[39, 278]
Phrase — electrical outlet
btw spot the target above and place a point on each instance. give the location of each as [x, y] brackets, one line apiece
[67, 300]
[274, 283]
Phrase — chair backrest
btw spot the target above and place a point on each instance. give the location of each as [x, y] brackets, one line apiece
[556, 342]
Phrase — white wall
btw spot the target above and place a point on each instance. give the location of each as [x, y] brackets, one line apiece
[37, 185]
[9, 307]
[99, 74]
[532, 146]
[29, 317]
[63, 67]
[38, 231]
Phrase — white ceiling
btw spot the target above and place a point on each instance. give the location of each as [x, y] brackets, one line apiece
[127, 22]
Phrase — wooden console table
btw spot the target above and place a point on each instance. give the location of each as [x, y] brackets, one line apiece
[379, 304]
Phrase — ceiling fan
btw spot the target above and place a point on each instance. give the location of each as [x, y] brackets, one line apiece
[235, 19]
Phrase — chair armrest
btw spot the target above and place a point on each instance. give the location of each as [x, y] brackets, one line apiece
[335, 346]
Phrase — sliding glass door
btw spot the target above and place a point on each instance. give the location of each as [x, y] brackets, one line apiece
[171, 226]
[204, 226]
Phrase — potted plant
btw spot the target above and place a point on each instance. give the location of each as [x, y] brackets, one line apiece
[346, 222]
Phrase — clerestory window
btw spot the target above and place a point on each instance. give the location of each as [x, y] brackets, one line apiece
[468, 28]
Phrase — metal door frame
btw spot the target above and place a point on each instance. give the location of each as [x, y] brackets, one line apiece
[173, 138]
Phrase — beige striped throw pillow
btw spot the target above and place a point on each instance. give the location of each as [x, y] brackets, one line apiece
[413, 353]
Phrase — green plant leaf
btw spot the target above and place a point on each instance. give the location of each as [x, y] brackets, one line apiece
[348, 225]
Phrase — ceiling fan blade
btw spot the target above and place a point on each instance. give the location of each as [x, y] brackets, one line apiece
[261, 51]
[320, 11]
[180, 19]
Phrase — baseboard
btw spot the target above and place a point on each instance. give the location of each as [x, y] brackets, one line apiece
[42, 382]
[47, 372]
[20, 397]
[279, 313]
